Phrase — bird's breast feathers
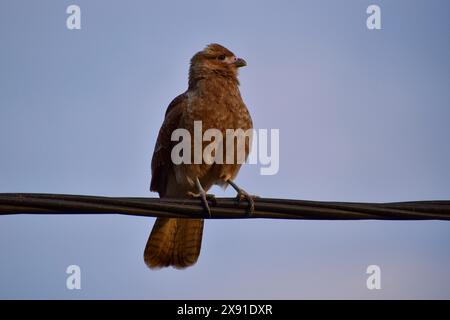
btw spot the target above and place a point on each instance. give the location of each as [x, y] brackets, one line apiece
[219, 111]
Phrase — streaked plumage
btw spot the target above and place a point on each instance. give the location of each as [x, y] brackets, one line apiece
[213, 97]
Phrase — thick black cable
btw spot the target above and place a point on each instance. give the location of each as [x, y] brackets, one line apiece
[225, 208]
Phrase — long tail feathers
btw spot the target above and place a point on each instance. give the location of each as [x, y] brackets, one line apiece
[174, 242]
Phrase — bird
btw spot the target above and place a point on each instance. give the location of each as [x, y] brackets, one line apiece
[212, 97]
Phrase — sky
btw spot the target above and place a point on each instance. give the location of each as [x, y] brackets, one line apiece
[363, 115]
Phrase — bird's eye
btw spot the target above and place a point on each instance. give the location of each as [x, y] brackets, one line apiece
[221, 57]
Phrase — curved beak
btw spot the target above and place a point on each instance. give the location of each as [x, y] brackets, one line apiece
[240, 63]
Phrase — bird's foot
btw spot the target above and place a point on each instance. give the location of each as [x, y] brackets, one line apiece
[243, 195]
[204, 197]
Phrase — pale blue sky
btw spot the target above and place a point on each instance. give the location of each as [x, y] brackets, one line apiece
[363, 116]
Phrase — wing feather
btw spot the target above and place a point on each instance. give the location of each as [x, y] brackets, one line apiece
[161, 161]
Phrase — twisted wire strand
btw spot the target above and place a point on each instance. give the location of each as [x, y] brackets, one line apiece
[224, 208]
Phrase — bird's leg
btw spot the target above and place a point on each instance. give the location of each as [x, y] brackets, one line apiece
[242, 194]
[204, 197]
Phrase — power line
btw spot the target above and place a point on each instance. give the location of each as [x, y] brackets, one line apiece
[223, 208]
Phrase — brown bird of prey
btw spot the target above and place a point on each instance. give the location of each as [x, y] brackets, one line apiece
[212, 97]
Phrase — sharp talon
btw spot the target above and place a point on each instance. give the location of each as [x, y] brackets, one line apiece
[204, 199]
[250, 199]
[241, 194]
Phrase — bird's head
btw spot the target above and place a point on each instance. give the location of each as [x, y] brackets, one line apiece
[215, 60]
